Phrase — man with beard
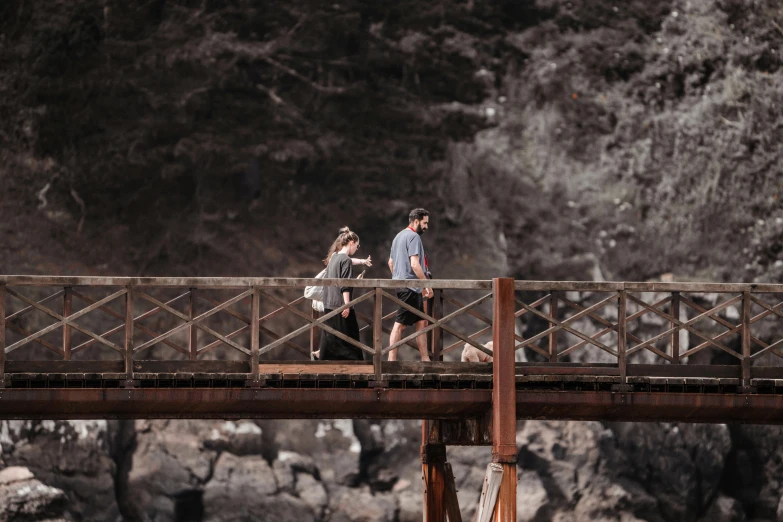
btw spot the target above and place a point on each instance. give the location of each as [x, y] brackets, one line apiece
[407, 261]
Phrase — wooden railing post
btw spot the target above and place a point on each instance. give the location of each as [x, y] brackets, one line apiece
[67, 310]
[504, 418]
[255, 317]
[314, 316]
[2, 336]
[377, 335]
[436, 339]
[675, 340]
[553, 305]
[746, 340]
[193, 331]
[129, 337]
[622, 310]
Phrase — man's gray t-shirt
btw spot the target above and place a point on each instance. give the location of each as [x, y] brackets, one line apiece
[406, 244]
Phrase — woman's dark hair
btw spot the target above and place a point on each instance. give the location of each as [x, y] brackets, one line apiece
[346, 235]
[417, 213]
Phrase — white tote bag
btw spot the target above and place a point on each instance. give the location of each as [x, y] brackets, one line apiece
[316, 293]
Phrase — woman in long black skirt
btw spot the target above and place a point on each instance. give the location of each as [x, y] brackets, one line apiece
[332, 348]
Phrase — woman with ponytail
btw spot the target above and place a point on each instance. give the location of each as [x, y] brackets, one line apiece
[340, 266]
[336, 246]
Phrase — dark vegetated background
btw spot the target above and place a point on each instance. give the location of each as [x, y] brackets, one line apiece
[551, 140]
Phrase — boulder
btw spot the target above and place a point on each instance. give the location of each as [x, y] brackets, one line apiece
[532, 498]
[754, 470]
[240, 438]
[625, 472]
[71, 457]
[331, 445]
[361, 505]
[288, 465]
[724, 509]
[680, 464]
[244, 488]
[171, 459]
[23, 497]
[312, 492]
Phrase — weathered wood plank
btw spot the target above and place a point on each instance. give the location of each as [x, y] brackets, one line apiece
[656, 286]
[419, 367]
[316, 367]
[684, 370]
[283, 282]
[61, 366]
[199, 366]
[450, 495]
[43, 342]
[564, 286]
[489, 492]
[558, 370]
[239, 282]
[763, 372]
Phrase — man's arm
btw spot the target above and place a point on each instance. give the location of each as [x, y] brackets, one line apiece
[391, 266]
[416, 267]
[419, 271]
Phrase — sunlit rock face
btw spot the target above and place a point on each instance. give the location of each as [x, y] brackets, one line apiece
[60, 467]
[583, 470]
[22, 497]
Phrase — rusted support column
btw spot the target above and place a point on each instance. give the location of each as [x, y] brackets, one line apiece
[746, 340]
[193, 331]
[255, 307]
[675, 312]
[504, 418]
[433, 458]
[377, 335]
[622, 310]
[129, 337]
[2, 336]
[67, 310]
[553, 305]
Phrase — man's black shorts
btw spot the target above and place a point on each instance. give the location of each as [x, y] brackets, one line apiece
[413, 299]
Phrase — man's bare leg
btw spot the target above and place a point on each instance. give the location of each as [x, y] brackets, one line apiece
[421, 340]
[394, 337]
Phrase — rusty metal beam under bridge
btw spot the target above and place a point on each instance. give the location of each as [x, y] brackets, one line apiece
[384, 403]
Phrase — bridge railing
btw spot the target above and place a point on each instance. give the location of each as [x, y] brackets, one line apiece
[653, 331]
[623, 333]
[125, 329]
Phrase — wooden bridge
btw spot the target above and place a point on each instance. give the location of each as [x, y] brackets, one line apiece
[96, 347]
[81, 347]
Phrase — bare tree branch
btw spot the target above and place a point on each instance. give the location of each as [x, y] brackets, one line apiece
[80, 201]
[316, 86]
[42, 196]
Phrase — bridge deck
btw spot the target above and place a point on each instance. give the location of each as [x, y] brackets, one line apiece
[411, 390]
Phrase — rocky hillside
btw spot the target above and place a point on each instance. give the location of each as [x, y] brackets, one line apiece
[551, 140]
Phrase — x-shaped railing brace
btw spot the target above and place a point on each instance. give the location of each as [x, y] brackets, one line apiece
[64, 321]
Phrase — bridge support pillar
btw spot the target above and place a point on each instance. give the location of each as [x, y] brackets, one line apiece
[504, 412]
[433, 461]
